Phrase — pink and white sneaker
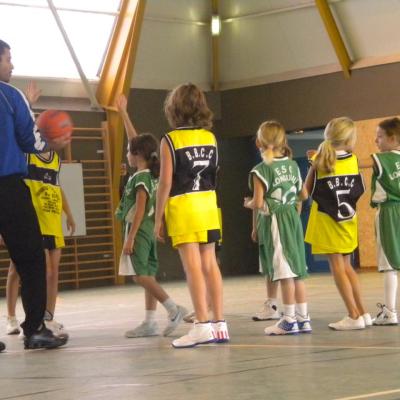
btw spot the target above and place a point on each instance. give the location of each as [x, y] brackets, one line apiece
[221, 333]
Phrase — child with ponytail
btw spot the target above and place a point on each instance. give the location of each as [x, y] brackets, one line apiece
[335, 185]
[277, 189]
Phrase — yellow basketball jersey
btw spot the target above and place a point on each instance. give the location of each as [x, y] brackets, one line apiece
[332, 226]
[43, 182]
[192, 205]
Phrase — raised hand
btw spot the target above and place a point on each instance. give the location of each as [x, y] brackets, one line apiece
[32, 93]
[121, 103]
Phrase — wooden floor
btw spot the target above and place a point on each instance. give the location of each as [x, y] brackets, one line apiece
[99, 363]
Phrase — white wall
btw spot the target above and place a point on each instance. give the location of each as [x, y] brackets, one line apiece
[173, 46]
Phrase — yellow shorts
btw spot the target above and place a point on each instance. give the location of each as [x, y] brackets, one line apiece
[210, 236]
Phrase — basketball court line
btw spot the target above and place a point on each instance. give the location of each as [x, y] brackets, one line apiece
[370, 395]
[124, 347]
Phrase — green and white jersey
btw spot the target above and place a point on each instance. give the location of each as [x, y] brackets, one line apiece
[386, 178]
[279, 229]
[282, 182]
[126, 208]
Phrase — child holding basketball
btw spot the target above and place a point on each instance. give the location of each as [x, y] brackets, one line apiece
[186, 193]
[335, 185]
[49, 202]
[386, 198]
[277, 187]
[136, 211]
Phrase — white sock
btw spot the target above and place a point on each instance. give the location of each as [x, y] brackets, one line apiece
[301, 309]
[289, 310]
[390, 289]
[273, 301]
[150, 315]
[171, 307]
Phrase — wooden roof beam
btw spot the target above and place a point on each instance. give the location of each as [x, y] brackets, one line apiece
[335, 37]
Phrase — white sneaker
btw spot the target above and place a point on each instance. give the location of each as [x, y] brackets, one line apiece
[385, 316]
[12, 327]
[143, 330]
[190, 317]
[348, 324]
[304, 323]
[367, 319]
[201, 333]
[221, 333]
[175, 321]
[285, 326]
[57, 328]
[268, 312]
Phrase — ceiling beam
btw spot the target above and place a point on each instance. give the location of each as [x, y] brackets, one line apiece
[122, 48]
[116, 78]
[334, 35]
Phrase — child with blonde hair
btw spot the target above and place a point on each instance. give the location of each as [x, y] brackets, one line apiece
[186, 193]
[335, 185]
[277, 188]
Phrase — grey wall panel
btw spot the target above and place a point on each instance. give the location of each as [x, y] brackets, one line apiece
[311, 102]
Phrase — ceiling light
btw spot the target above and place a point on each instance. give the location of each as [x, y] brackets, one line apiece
[215, 25]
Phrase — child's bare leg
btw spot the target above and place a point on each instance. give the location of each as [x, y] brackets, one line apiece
[191, 260]
[12, 289]
[150, 300]
[272, 288]
[301, 298]
[152, 288]
[52, 273]
[300, 291]
[213, 278]
[337, 266]
[288, 296]
[355, 284]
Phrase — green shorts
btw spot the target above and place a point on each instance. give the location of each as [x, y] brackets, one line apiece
[144, 257]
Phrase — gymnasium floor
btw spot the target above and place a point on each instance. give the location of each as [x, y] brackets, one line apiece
[99, 363]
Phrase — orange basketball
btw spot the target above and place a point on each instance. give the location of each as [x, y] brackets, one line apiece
[54, 123]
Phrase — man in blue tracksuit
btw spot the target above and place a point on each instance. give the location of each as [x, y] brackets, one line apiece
[19, 227]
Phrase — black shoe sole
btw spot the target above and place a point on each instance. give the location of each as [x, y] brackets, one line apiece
[45, 344]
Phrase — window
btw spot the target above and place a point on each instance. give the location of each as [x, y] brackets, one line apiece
[37, 45]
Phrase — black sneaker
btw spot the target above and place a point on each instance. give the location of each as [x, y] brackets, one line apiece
[44, 339]
[2, 346]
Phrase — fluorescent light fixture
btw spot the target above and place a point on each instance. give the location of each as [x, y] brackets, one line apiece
[215, 25]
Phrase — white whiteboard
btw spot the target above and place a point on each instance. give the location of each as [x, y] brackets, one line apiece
[71, 182]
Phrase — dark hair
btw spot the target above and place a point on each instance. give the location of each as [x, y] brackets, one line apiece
[186, 105]
[3, 46]
[391, 126]
[146, 145]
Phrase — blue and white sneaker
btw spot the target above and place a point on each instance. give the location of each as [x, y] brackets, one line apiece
[285, 326]
[304, 323]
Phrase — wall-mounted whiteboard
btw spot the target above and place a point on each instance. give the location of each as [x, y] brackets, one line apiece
[71, 181]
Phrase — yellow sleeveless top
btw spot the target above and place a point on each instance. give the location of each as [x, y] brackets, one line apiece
[192, 203]
[332, 225]
[43, 182]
